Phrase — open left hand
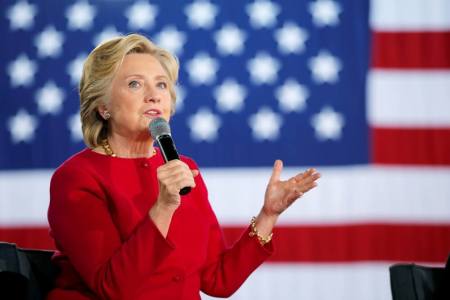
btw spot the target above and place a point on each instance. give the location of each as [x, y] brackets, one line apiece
[281, 194]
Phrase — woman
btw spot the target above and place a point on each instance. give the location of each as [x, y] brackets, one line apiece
[121, 227]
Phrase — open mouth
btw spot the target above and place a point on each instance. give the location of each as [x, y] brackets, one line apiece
[153, 113]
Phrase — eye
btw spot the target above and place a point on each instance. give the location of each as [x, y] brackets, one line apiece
[134, 84]
[162, 85]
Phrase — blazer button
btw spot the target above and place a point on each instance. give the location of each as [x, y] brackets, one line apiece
[177, 278]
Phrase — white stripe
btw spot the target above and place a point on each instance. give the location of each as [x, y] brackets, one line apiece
[24, 197]
[410, 15]
[345, 194]
[408, 98]
[316, 281]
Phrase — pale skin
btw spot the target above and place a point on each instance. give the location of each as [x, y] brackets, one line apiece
[140, 92]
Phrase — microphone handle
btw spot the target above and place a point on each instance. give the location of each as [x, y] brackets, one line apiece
[169, 152]
[185, 190]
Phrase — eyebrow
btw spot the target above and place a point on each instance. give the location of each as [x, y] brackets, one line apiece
[158, 77]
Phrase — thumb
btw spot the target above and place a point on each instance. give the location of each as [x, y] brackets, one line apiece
[276, 172]
[195, 172]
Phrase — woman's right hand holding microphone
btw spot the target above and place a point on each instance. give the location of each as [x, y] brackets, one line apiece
[172, 177]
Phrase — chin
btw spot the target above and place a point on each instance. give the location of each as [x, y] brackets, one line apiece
[150, 118]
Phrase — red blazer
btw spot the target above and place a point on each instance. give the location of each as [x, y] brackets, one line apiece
[110, 249]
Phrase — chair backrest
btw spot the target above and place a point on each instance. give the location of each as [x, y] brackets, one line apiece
[25, 274]
[415, 282]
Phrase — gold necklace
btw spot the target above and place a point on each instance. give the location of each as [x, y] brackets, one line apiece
[108, 150]
[107, 147]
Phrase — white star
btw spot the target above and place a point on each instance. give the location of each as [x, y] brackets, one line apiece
[107, 34]
[75, 68]
[230, 39]
[49, 42]
[21, 15]
[263, 68]
[265, 124]
[325, 67]
[171, 39]
[230, 95]
[141, 15]
[263, 13]
[80, 15]
[291, 38]
[204, 125]
[201, 14]
[74, 124]
[325, 12]
[49, 98]
[181, 95]
[22, 126]
[328, 124]
[202, 69]
[292, 96]
[21, 71]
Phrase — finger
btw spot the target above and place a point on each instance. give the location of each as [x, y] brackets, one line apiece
[165, 169]
[173, 166]
[307, 177]
[276, 172]
[305, 184]
[175, 174]
[168, 177]
[181, 175]
[307, 187]
[305, 174]
[312, 178]
[176, 182]
[184, 182]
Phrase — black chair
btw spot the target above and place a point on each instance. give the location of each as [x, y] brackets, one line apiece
[25, 274]
[415, 282]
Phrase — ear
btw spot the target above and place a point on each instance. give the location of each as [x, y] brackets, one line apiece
[101, 109]
[103, 112]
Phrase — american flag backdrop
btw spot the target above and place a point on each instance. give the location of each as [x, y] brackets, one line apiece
[358, 89]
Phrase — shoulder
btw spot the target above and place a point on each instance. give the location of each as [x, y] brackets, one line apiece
[76, 184]
[77, 175]
[74, 166]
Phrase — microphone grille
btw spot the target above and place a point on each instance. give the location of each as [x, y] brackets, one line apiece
[159, 126]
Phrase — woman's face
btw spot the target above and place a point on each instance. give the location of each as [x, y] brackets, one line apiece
[139, 93]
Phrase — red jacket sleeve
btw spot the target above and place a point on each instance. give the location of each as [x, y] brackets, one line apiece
[227, 268]
[82, 226]
[225, 274]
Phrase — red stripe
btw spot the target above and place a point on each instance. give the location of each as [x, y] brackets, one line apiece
[338, 243]
[372, 242]
[411, 50]
[411, 146]
[27, 237]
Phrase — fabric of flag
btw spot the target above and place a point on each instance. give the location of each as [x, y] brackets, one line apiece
[358, 89]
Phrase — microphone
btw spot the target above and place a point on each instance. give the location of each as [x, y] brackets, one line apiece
[160, 132]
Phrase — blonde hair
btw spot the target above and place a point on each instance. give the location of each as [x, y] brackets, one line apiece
[98, 72]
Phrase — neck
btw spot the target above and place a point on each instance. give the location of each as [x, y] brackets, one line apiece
[131, 148]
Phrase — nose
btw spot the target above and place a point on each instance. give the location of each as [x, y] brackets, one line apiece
[151, 99]
[151, 96]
